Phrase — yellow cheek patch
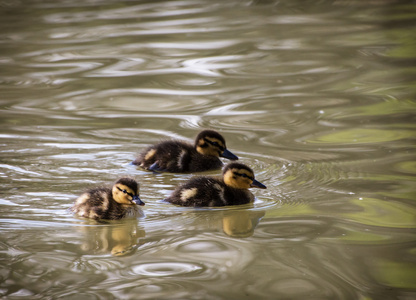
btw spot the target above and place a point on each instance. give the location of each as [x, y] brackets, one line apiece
[238, 178]
[120, 196]
[229, 180]
[201, 142]
[150, 154]
[188, 193]
[209, 148]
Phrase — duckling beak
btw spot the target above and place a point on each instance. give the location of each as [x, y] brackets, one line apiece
[258, 184]
[229, 155]
[137, 200]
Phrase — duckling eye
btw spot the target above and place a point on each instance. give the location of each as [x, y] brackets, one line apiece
[125, 192]
[216, 144]
[243, 175]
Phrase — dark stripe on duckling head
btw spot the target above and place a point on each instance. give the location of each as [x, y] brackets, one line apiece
[211, 134]
[239, 166]
[244, 175]
[214, 142]
[129, 182]
[202, 144]
[125, 191]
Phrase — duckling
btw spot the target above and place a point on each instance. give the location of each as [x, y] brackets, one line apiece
[110, 204]
[182, 157]
[231, 189]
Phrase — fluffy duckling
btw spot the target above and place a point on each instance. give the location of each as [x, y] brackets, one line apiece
[231, 189]
[182, 157]
[110, 204]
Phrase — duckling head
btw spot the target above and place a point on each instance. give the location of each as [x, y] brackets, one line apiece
[240, 176]
[126, 191]
[210, 142]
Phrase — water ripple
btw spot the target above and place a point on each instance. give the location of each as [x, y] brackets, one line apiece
[315, 97]
[166, 269]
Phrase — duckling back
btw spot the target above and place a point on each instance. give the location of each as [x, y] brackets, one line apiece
[176, 157]
[181, 157]
[208, 191]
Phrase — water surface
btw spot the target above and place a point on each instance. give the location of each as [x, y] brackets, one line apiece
[318, 97]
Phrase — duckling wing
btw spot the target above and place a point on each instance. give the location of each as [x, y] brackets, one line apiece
[168, 156]
[99, 204]
[199, 192]
[93, 204]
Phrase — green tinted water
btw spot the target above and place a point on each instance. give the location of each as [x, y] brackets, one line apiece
[317, 97]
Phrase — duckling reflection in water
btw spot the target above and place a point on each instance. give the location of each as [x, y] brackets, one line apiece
[110, 204]
[181, 157]
[231, 189]
[119, 238]
[241, 224]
